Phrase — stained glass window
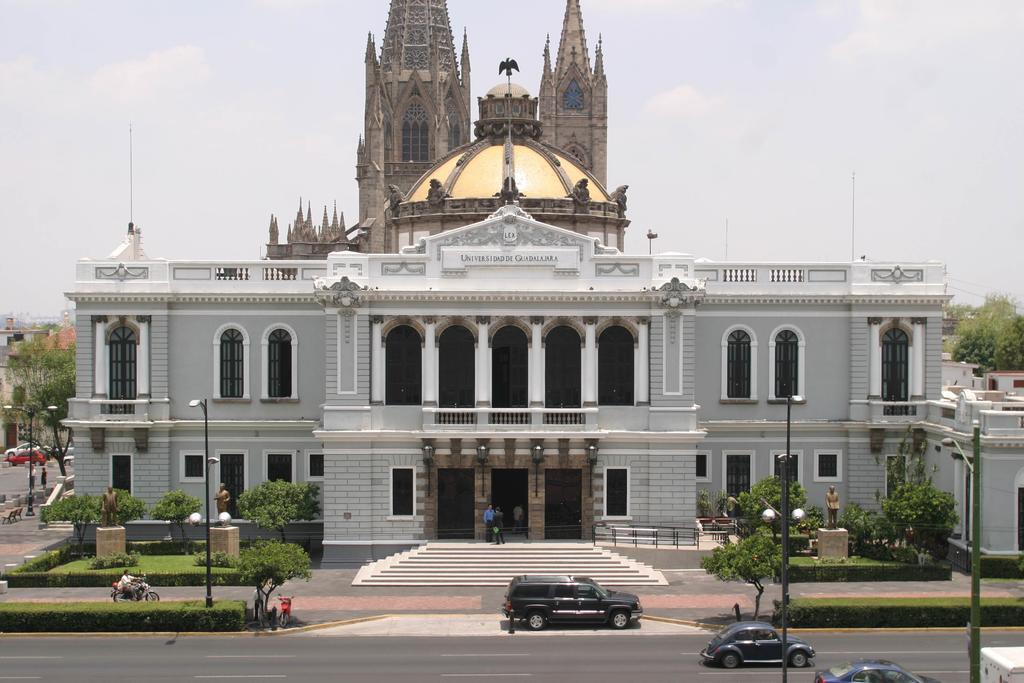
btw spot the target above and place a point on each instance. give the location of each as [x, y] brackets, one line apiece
[415, 134]
[573, 96]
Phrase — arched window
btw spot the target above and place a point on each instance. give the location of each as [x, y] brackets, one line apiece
[403, 366]
[787, 368]
[122, 366]
[415, 134]
[509, 368]
[279, 364]
[457, 375]
[738, 365]
[615, 375]
[232, 364]
[562, 377]
[573, 99]
[895, 366]
[454, 126]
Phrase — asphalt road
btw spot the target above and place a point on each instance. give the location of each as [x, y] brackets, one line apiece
[594, 659]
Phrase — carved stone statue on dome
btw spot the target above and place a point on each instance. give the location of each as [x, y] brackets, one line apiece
[581, 195]
[436, 194]
[395, 197]
[619, 197]
[509, 191]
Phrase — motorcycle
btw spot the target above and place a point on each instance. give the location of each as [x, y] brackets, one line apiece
[139, 590]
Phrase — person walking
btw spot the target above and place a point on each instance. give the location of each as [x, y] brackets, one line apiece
[517, 518]
[499, 525]
[489, 522]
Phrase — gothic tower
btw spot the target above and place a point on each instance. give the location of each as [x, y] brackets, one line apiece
[574, 96]
[417, 107]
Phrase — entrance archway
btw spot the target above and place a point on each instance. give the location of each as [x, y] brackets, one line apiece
[563, 503]
[455, 491]
[509, 489]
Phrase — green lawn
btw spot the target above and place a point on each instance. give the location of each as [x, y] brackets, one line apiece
[148, 564]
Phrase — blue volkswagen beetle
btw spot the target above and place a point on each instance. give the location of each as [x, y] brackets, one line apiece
[755, 642]
[870, 671]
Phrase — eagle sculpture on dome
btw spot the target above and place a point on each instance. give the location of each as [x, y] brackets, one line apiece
[507, 66]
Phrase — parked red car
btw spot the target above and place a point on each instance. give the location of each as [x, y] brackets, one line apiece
[19, 455]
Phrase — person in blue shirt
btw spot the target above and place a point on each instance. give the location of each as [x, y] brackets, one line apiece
[489, 521]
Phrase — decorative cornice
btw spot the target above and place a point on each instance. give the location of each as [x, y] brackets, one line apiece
[203, 298]
[342, 293]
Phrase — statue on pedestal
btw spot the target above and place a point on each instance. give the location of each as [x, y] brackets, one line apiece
[223, 499]
[832, 505]
[108, 508]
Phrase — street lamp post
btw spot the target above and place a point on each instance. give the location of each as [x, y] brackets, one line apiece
[201, 403]
[974, 464]
[30, 413]
[785, 534]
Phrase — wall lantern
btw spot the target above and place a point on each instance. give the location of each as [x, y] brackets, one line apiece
[428, 461]
[592, 461]
[538, 458]
[481, 457]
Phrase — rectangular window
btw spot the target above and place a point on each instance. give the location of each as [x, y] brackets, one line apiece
[402, 492]
[316, 465]
[737, 473]
[828, 466]
[701, 469]
[616, 492]
[121, 472]
[794, 465]
[279, 467]
[192, 466]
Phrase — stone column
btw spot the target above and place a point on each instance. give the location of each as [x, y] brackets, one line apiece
[143, 356]
[917, 359]
[643, 363]
[874, 358]
[537, 362]
[483, 362]
[429, 362]
[99, 355]
[377, 360]
[589, 365]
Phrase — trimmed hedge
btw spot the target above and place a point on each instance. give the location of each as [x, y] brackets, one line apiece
[827, 572]
[36, 574]
[899, 612]
[67, 617]
[1000, 567]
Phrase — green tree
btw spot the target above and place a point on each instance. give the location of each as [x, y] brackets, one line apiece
[978, 331]
[175, 507]
[79, 510]
[921, 514]
[43, 375]
[128, 507]
[268, 564]
[752, 503]
[1009, 353]
[752, 560]
[275, 504]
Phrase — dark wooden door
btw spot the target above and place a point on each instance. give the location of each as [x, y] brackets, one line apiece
[232, 475]
[563, 503]
[455, 487]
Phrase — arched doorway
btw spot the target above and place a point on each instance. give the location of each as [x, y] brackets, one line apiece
[509, 368]
[562, 377]
[456, 365]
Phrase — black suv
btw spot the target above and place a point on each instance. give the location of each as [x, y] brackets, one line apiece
[569, 599]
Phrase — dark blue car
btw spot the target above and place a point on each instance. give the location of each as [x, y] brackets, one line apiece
[870, 671]
[755, 642]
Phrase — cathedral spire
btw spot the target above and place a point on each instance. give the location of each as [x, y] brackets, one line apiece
[371, 50]
[547, 57]
[464, 61]
[599, 57]
[413, 27]
[572, 47]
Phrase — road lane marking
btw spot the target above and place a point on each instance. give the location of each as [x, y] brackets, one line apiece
[496, 654]
[19, 678]
[251, 656]
[242, 676]
[31, 657]
[484, 675]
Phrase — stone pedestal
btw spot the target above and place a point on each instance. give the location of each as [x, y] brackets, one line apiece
[109, 540]
[224, 539]
[833, 543]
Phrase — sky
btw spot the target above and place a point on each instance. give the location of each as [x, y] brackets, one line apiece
[751, 113]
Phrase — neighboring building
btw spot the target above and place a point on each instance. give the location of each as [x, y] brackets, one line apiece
[960, 374]
[504, 349]
[1010, 381]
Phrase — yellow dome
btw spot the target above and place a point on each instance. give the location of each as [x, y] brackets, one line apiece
[502, 89]
[541, 173]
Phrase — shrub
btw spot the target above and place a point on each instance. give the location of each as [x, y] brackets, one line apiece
[129, 508]
[175, 507]
[47, 579]
[769, 489]
[275, 504]
[998, 567]
[268, 564]
[827, 572]
[79, 510]
[115, 560]
[217, 559]
[227, 615]
[899, 612]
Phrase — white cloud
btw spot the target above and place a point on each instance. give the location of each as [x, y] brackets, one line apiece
[682, 101]
[659, 5]
[174, 69]
[905, 26]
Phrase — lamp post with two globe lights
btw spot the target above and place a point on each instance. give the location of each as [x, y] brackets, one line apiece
[974, 464]
[30, 413]
[195, 518]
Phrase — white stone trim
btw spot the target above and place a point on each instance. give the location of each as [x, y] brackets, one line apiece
[391, 492]
[629, 493]
[182, 477]
[800, 365]
[246, 377]
[839, 465]
[265, 361]
[800, 466]
[267, 452]
[667, 320]
[725, 363]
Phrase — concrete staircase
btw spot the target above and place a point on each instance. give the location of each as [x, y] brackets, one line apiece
[439, 563]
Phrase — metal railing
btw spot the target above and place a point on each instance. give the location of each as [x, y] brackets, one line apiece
[658, 536]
